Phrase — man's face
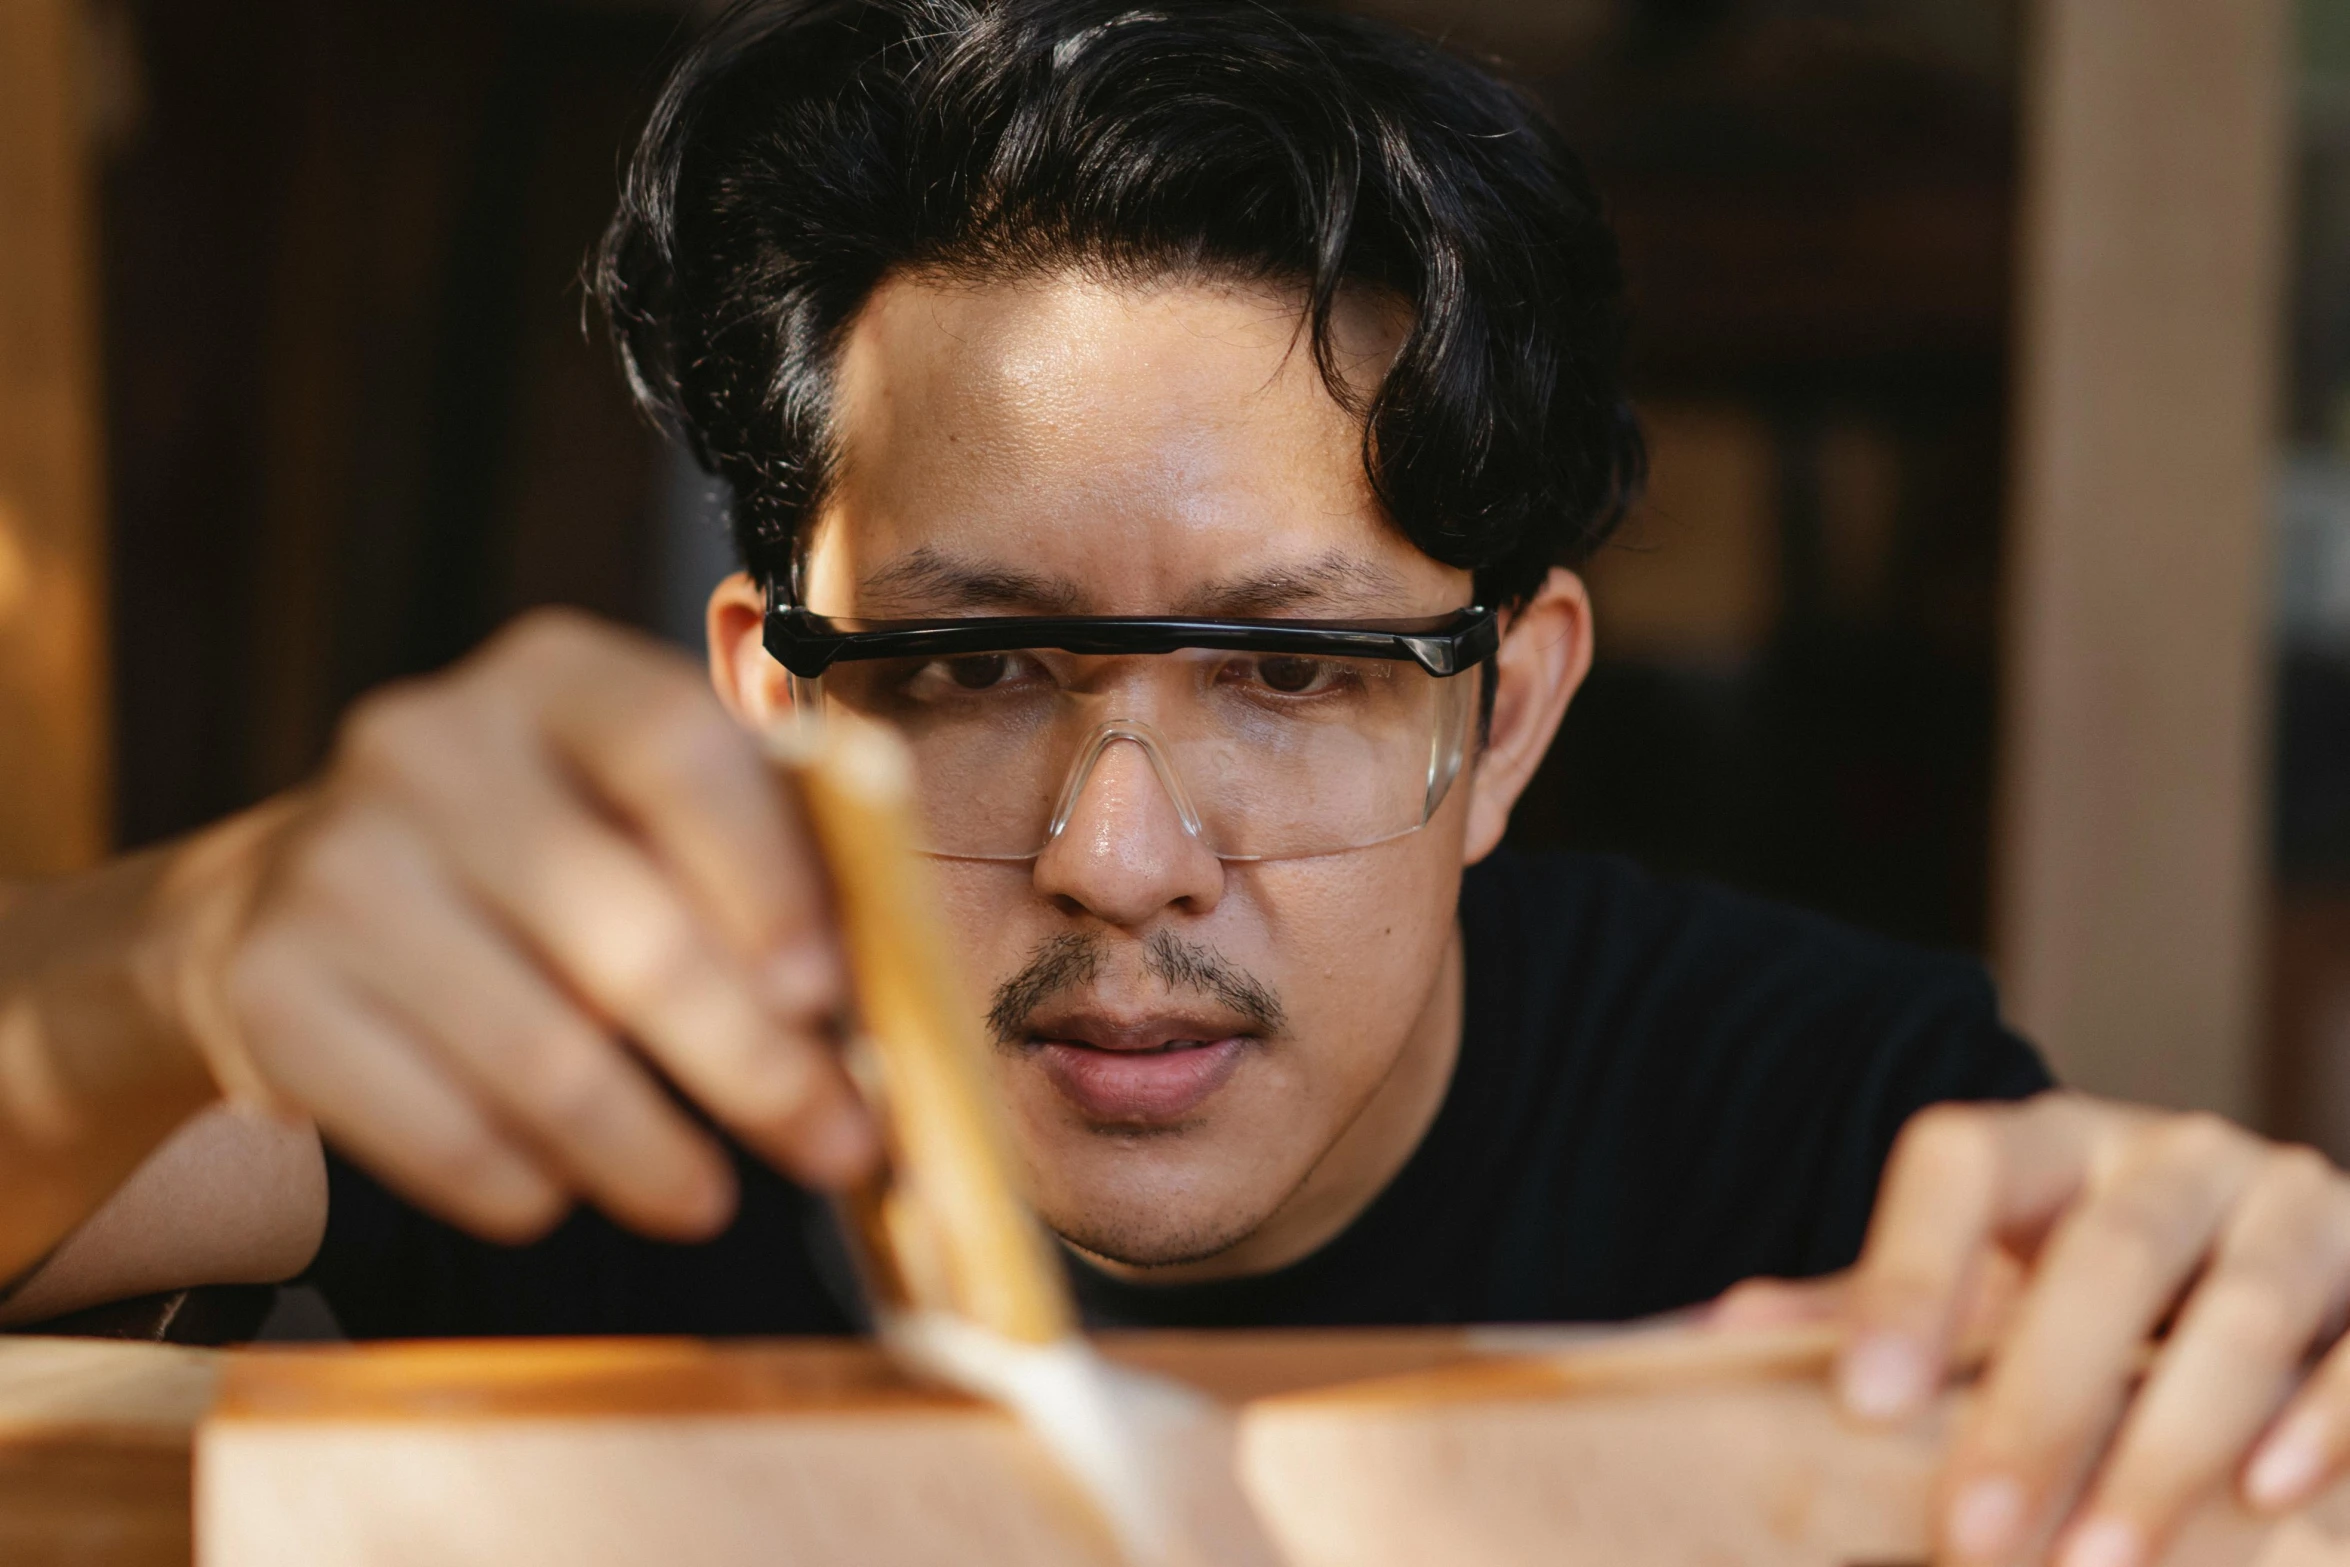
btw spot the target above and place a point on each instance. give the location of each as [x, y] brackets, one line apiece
[1182, 1040]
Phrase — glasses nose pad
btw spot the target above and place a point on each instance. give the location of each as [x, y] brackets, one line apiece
[1089, 755]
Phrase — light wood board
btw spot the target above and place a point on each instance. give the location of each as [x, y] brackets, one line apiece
[94, 1450]
[1361, 1450]
[1371, 1449]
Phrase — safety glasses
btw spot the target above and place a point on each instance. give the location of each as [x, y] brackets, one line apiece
[1268, 739]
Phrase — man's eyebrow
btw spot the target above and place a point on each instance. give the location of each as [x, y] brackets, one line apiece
[1338, 583]
[927, 581]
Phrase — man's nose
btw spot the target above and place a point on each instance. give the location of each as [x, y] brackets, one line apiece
[1124, 856]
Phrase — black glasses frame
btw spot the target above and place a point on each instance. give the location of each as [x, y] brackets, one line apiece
[1444, 645]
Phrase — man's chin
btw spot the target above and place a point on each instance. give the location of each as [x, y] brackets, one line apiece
[1152, 1242]
[1171, 1198]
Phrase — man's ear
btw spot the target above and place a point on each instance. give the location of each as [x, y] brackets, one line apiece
[753, 686]
[1545, 653]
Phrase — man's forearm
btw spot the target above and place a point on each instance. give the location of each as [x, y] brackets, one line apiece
[99, 1051]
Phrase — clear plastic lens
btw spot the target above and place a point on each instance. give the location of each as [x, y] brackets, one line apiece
[1262, 755]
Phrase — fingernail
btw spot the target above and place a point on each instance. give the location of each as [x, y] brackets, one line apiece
[1984, 1518]
[2105, 1542]
[1884, 1375]
[2289, 1462]
[802, 979]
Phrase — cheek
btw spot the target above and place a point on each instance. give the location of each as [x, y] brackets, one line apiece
[993, 915]
[1377, 918]
[1357, 939]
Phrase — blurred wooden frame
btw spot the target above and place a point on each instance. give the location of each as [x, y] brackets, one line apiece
[54, 777]
[2131, 844]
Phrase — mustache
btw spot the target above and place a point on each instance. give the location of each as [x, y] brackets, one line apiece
[1073, 959]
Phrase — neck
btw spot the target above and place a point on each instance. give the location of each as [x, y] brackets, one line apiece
[1369, 1154]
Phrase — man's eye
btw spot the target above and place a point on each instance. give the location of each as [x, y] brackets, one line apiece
[979, 671]
[971, 674]
[1292, 676]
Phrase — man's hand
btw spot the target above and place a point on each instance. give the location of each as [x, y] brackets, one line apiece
[524, 893]
[2069, 1236]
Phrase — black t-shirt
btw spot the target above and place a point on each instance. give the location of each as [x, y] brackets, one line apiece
[1662, 1089]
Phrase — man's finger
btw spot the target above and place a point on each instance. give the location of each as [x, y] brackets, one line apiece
[2236, 1349]
[1961, 1178]
[2309, 1445]
[2109, 1273]
[645, 732]
[607, 922]
[1780, 1303]
[409, 943]
[377, 1093]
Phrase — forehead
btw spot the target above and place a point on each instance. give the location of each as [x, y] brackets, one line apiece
[1068, 444]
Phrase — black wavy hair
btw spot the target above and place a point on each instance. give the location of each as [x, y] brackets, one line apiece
[803, 150]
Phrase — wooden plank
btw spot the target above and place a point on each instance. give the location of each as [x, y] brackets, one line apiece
[2130, 842]
[94, 1451]
[1369, 1448]
[1611, 1451]
[1763, 1473]
[104, 1389]
[90, 1504]
[54, 809]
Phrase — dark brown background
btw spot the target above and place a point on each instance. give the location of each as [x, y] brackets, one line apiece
[356, 422]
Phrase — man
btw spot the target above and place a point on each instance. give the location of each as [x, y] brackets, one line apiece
[1181, 424]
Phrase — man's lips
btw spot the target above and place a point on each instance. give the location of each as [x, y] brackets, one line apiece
[1146, 1072]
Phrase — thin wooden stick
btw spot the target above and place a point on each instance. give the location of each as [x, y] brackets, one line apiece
[950, 1226]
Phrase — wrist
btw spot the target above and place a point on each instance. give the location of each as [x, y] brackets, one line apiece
[105, 1045]
[200, 905]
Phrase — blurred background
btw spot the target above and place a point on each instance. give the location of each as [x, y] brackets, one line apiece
[1993, 591]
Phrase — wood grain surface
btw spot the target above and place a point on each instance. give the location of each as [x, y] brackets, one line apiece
[1390, 1449]
[94, 1450]
[533, 1379]
[1368, 1449]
